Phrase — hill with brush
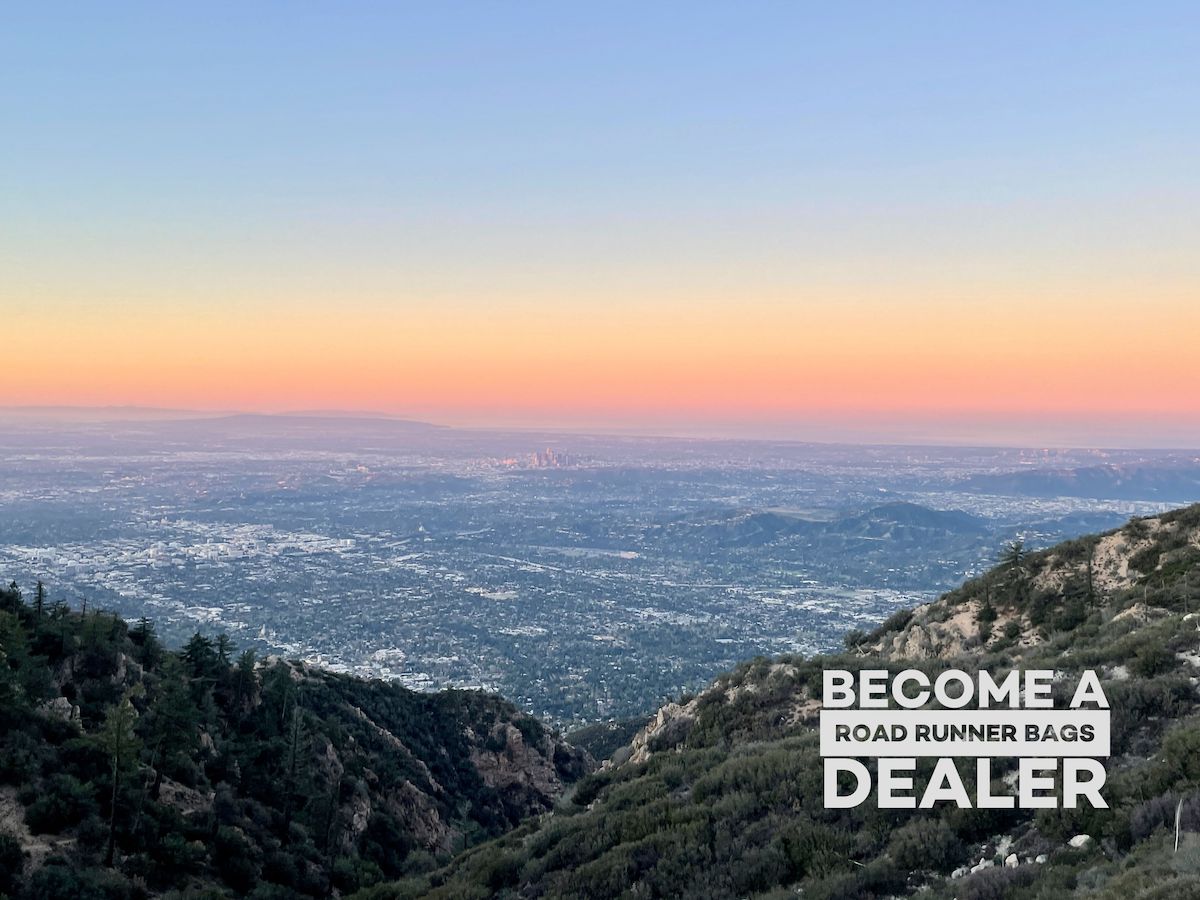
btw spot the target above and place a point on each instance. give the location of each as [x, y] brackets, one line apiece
[720, 795]
[127, 770]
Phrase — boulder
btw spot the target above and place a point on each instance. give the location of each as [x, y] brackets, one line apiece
[60, 708]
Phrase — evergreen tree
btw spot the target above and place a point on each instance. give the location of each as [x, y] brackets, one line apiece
[1013, 554]
[245, 680]
[145, 639]
[120, 742]
[11, 599]
[171, 724]
[200, 657]
[224, 648]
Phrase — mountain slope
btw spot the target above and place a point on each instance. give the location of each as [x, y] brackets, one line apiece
[1175, 481]
[721, 795]
[897, 522]
[127, 770]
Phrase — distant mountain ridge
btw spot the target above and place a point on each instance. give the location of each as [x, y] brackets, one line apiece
[1178, 482]
[897, 520]
[149, 415]
[315, 419]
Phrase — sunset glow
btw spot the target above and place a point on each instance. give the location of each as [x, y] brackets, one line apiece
[685, 255]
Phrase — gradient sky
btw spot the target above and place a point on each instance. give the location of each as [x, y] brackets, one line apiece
[950, 221]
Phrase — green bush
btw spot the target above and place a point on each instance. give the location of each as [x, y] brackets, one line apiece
[1151, 659]
[926, 845]
[57, 882]
[63, 801]
[12, 864]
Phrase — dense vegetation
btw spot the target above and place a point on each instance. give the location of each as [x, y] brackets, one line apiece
[129, 770]
[722, 797]
[603, 739]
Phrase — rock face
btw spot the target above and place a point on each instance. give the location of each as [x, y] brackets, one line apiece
[673, 723]
[418, 811]
[512, 754]
[931, 637]
[981, 613]
[188, 801]
[531, 776]
[61, 708]
[356, 813]
[669, 726]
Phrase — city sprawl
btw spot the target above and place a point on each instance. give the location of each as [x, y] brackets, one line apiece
[585, 578]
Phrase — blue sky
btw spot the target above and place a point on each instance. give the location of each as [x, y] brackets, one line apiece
[367, 158]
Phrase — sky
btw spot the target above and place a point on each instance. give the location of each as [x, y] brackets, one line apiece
[942, 221]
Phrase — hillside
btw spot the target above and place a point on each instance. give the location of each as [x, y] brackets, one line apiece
[1177, 480]
[127, 770]
[900, 523]
[720, 795]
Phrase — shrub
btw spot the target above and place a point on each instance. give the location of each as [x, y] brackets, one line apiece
[64, 801]
[12, 864]
[1151, 659]
[54, 882]
[20, 758]
[897, 621]
[926, 845]
[996, 884]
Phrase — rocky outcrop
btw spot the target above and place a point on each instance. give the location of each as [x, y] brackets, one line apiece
[1103, 571]
[421, 816]
[529, 775]
[934, 633]
[669, 727]
[60, 708]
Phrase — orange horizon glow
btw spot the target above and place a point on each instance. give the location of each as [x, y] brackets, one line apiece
[710, 360]
[731, 223]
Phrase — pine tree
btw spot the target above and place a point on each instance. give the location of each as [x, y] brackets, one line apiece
[295, 739]
[224, 648]
[145, 639]
[172, 722]
[200, 657]
[245, 680]
[1013, 554]
[16, 672]
[120, 742]
[11, 599]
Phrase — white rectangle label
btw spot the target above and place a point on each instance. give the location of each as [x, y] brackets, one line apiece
[976, 732]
